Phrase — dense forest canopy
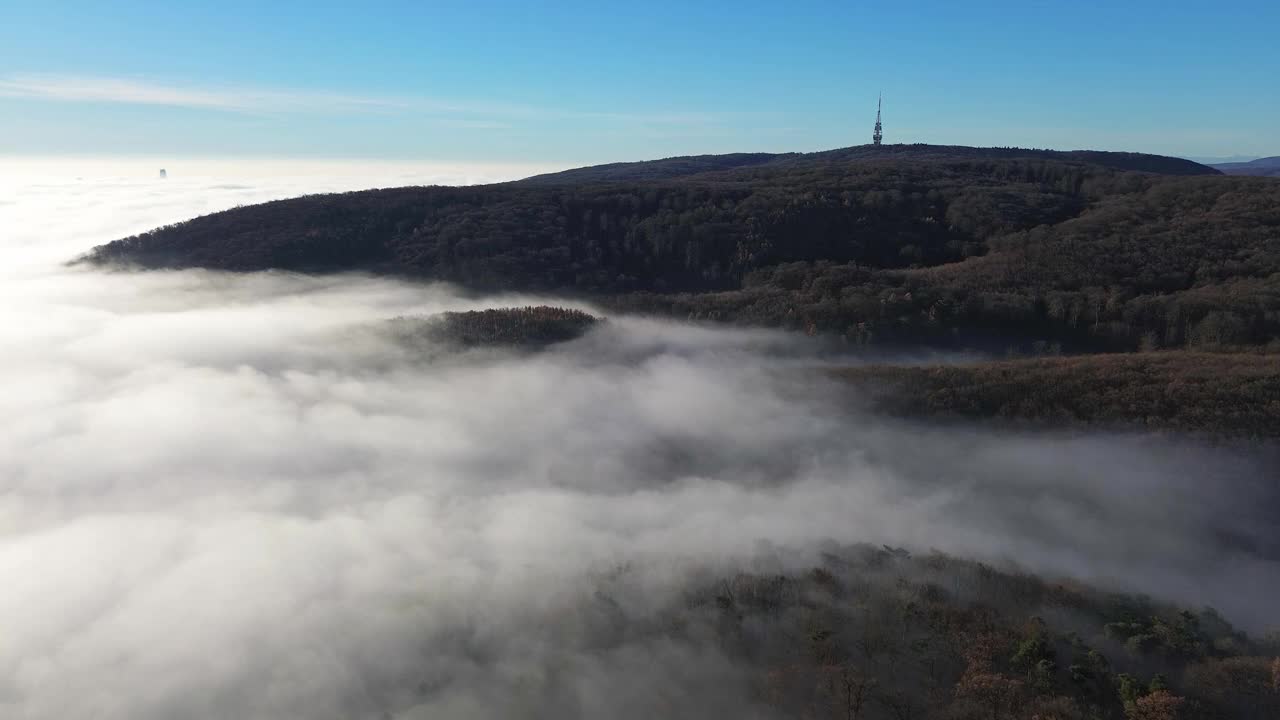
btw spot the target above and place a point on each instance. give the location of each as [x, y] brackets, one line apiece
[941, 245]
[875, 632]
[530, 327]
[1234, 394]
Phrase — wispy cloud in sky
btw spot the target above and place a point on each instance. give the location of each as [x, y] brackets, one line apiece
[252, 100]
[83, 88]
[42, 113]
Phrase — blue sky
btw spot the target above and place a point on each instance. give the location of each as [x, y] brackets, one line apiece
[580, 82]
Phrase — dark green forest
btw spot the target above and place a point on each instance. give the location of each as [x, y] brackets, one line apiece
[955, 247]
[530, 327]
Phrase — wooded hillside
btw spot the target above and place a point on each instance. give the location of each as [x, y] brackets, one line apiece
[948, 246]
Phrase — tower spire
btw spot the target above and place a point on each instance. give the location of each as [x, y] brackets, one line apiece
[875, 139]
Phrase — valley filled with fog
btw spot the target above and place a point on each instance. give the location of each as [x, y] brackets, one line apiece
[239, 495]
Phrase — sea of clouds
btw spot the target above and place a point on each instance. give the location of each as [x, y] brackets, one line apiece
[233, 496]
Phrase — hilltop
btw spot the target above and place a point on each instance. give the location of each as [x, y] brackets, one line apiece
[663, 169]
[693, 165]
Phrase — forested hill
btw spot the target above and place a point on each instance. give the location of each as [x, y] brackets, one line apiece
[668, 168]
[1031, 252]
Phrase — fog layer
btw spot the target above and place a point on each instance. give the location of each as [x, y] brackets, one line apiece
[235, 496]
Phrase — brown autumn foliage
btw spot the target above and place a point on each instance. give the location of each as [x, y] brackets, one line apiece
[1227, 394]
[1236, 687]
[879, 634]
[994, 693]
[1159, 705]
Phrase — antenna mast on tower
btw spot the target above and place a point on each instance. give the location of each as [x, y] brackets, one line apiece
[875, 139]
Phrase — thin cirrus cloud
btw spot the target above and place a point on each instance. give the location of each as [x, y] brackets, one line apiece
[251, 100]
[84, 88]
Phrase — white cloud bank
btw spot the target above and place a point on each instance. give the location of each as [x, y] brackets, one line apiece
[224, 496]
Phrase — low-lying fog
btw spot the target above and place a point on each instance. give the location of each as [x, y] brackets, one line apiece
[233, 497]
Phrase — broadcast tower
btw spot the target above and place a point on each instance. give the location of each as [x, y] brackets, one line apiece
[878, 136]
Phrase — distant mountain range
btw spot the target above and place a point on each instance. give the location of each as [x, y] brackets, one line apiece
[1265, 167]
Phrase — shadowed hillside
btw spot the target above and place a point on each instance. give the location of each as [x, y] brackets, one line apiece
[960, 252]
